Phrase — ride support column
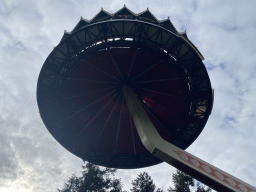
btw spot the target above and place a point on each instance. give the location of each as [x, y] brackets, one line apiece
[180, 159]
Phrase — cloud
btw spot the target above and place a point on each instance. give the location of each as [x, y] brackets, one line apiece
[30, 158]
[224, 32]
[8, 166]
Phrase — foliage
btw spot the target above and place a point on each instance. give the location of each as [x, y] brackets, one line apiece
[93, 179]
[143, 183]
[202, 188]
[159, 190]
[72, 185]
[182, 182]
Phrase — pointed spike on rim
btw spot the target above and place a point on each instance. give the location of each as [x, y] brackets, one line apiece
[65, 31]
[101, 8]
[81, 18]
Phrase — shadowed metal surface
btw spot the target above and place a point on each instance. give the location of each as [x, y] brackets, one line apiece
[80, 96]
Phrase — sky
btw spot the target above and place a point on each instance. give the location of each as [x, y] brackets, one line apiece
[224, 32]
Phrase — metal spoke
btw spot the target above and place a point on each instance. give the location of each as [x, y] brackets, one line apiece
[107, 120]
[168, 40]
[119, 123]
[101, 70]
[78, 39]
[88, 34]
[157, 80]
[115, 64]
[62, 53]
[179, 49]
[54, 58]
[92, 33]
[161, 93]
[90, 80]
[90, 104]
[130, 70]
[96, 115]
[89, 92]
[129, 33]
[149, 38]
[145, 71]
[49, 80]
[113, 26]
[56, 64]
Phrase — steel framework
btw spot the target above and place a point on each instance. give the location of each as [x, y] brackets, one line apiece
[135, 34]
[85, 95]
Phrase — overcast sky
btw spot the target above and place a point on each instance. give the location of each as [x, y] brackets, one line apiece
[225, 33]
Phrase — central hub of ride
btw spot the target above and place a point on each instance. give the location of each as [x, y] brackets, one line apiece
[124, 83]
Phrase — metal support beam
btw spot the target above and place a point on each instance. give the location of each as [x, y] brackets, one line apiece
[182, 160]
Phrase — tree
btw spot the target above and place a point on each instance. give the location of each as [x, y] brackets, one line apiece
[202, 188]
[93, 179]
[117, 185]
[72, 185]
[143, 183]
[182, 182]
[96, 179]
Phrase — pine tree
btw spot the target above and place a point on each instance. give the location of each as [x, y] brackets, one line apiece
[72, 185]
[93, 179]
[143, 183]
[182, 182]
[202, 188]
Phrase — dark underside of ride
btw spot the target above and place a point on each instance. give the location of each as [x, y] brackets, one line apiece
[79, 89]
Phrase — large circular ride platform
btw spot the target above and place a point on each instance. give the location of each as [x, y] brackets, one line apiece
[80, 96]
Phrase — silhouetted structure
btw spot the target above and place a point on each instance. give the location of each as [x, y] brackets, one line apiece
[126, 90]
[79, 90]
